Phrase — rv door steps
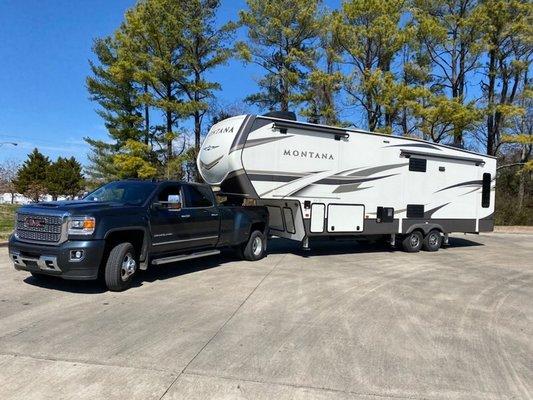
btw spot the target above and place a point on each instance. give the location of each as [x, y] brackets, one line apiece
[182, 257]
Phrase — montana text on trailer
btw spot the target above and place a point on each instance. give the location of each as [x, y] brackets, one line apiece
[319, 180]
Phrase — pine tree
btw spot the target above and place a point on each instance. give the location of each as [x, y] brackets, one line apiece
[31, 177]
[64, 177]
[282, 39]
[370, 34]
[203, 48]
[150, 46]
[120, 107]
[507, 34]
[325, 78]
[450, 33]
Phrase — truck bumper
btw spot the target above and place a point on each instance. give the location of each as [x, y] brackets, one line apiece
[59, 260]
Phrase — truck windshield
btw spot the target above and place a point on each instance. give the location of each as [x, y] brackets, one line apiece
[134, 193]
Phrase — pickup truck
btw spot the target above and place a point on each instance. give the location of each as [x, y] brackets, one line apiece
[128, 225]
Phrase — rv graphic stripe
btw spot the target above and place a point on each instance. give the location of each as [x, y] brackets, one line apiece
[211, 164]
[347, 180]
[467, 183]
[258, 142]
[429, 213]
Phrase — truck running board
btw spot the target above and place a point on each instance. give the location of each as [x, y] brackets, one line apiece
[182, 257]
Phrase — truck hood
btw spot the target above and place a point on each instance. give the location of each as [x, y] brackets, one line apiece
[78, 207]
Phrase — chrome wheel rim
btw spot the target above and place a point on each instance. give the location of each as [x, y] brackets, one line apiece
[128, 267]
[257, 246]
[415, 240]
[433, 239]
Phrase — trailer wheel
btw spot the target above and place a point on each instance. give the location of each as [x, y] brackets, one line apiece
[412, 242]
[255, 248]
[432, 241]
[120, 267]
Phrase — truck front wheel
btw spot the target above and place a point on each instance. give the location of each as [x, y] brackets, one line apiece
[120, 267]
[255, 248]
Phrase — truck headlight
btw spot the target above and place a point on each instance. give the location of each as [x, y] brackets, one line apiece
[81, 226]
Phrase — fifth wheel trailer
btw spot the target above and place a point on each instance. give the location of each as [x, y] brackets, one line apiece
[319, 180]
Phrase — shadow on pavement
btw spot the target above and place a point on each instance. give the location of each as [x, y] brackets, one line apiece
[55, 283]
[319, 247]
[325, 247]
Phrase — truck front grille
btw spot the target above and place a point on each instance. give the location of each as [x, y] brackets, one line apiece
[39, 228]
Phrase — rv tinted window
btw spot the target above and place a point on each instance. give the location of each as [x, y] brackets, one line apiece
[485, 194]
[417, 164]
[415, 211]
[195, 198]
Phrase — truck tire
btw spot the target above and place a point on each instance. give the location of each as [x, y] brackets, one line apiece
[255, 248]
[412, 242]
[432, 241]
[120, 267]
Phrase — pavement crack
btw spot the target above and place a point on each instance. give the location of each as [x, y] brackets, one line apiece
[299, 386]
[84, 362]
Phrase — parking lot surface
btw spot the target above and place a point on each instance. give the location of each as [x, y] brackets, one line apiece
[343, 321]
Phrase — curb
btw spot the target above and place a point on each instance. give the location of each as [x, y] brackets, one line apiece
[3, 244]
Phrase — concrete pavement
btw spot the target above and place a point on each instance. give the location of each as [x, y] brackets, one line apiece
[345, 321]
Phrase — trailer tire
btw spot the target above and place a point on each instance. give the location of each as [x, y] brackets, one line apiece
[121, 266]
[412, 242]
[255, 248]
[432, 241]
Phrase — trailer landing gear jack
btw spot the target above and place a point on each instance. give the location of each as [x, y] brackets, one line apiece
[305, 244]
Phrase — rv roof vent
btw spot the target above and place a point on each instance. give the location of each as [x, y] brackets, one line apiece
[290, 115]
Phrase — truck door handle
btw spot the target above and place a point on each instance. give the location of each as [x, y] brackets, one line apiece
[186, 216]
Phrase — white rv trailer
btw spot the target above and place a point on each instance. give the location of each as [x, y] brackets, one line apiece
[326, 181]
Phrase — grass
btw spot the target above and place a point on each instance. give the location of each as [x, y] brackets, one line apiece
[7, 220]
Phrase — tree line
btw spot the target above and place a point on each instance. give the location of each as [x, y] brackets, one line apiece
[39, 176]
[448, 71]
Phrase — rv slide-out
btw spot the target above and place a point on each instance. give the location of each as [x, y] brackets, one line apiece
[324, 181]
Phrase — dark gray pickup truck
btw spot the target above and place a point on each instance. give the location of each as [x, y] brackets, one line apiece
[128, 225]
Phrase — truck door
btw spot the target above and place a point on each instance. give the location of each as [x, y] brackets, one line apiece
[170, 226]
[204, 215]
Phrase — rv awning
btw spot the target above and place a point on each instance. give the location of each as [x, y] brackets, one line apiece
[408, 153]
[282, 126]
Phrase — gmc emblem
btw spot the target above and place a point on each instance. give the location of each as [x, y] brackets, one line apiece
[34, 222]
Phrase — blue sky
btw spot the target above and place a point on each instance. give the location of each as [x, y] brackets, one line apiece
[44, 51]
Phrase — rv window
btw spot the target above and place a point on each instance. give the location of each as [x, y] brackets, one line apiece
[417, 164]
[415, 211]
[485, 194]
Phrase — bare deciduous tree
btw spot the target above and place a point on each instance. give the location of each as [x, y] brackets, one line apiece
[8, 173]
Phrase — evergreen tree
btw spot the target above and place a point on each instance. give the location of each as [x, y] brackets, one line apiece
[370, 35]
[450, 33]
[64, 177]
[325, 78]
[120, 107]
[282, 39]
[133, 161]
[203, 48]
[150, 46]
[507, 34]
[31, 177]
